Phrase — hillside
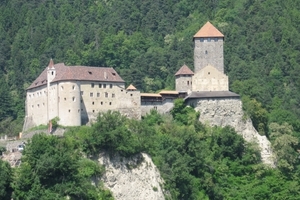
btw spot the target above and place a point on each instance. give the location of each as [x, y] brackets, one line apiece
[147, 42]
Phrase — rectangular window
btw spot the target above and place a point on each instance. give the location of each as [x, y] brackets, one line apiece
[113, 95]
[106, 94]
[91, 94]
[104, 85]
[110, 86]
[100, 85]
[98, 94]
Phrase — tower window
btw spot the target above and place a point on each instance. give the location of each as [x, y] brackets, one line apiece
[73, 98]
[101, 102]
[113, 95]
[91, 94]
[106, 94]
[93, 103]
[201, 40]
[104, 85]
[73, 87]
[110, 86]
[188, 82]
[206, 52]
[98, 94]
[208, 39]
[100, 85]
[92, 84]
[52, 73]
[208, 73]
[109, 103]
[216, 39]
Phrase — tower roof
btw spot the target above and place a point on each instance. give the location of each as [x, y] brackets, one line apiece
[51, 63]
[208, 30]
[184, 70]
[131, 87]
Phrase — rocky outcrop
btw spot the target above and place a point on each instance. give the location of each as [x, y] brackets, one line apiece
[229, 112]
[132, 178]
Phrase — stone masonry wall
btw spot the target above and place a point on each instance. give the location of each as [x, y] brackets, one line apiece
[228, 112]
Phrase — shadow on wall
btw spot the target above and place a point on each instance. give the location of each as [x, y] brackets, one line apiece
[84, 114]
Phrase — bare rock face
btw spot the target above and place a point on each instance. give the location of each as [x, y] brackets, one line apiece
[229, 112]
[132, 178]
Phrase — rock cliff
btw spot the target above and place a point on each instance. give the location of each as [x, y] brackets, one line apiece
[229, 112]
[132, 178]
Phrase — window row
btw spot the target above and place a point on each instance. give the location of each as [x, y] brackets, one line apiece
[105, 94]
[100, 85]
[209, 39]
[37, 94]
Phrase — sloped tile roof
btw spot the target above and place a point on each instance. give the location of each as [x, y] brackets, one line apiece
[208, 30]
[184, 70]
[131, 87]
[211, 94]
[80, 73]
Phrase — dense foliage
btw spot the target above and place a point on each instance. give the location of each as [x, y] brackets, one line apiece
[148, 41]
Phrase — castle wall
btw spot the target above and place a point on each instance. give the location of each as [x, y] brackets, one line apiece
[208, 51]
[99, 97]
[69, 110]
[183, 83]
[36, 106]
[210, 79]
[130, 104]
[52, 101]
[162, 107]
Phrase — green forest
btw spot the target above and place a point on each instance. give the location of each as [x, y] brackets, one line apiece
[147, 42]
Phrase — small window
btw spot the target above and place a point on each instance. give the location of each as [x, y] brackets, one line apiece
[73, 87]
[100, 85]
[81, 92]
[65, 99]
[130, 94]
[81, 101]
[113, 73]
[91, 94]
[98, 94]
[93, 103]
[216, 39]
[188, 82]
[101, 102]
[73, 98]
[104, 85]
[113, 95]
[92, 85]
[110, 86]
[208, 39]
[93, 111]
[69, 110]
[38, 105]
[62, 87]
[206, 52]
[106, 94]
[52, 73]
[90, 72]
[201, 40]
[110, 103]
[208, 73]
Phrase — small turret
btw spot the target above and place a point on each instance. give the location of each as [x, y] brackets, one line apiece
[184, 79]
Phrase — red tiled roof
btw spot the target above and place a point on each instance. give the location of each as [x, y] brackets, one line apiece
[208, 30]
[80, 73]
[184, 70]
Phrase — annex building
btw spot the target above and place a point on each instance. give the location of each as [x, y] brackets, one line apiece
[76, 94]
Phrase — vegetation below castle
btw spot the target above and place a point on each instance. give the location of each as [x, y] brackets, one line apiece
[147, 41]
[196, 161]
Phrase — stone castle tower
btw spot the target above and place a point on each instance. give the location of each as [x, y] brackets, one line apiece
[183, 76]
[208, 48]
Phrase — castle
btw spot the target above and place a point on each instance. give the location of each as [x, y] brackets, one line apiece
[76, 94]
